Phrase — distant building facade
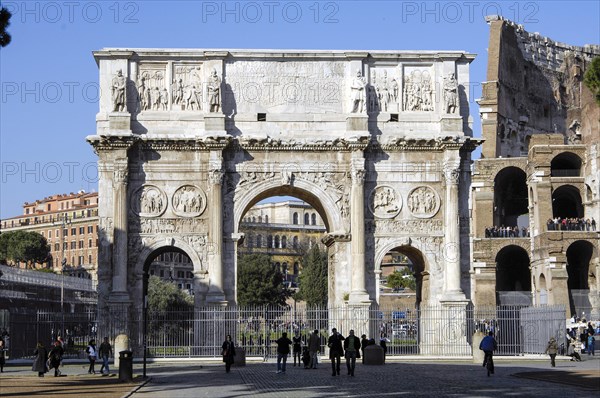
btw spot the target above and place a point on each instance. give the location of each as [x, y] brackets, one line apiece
[283, 230]
[69, 222]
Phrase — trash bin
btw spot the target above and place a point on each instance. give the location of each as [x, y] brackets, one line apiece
[126, 366]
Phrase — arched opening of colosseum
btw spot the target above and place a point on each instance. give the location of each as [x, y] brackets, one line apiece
[513, 278]
[510, 198]
[565, 164]
[293, 220]
[408, 261]
[543, 291]
[579, 255]
[566, 202]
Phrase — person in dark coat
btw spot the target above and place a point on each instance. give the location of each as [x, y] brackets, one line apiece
[41, 355]
[297, 348]
[363, 344]
[2, 354]
[283, 350]
[55, 356]
[228, 352]
[335, 351]
[352, 347]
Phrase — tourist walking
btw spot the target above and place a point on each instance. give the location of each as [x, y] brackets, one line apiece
[336, 350]
[92, 355]
[352, 347]
[488, 345]
[297, 348]
[55, 357]
[283, 350]
[552, 350]
[41, 356]
[105, 352]
[228, 352]
[314, 347]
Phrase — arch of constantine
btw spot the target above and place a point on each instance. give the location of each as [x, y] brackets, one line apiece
[378, 143]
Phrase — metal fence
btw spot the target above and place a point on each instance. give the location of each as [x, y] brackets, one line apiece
[425, 330]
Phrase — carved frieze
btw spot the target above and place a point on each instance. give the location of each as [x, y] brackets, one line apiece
[186, 89]
[385, 202]
[152, 87]
[149, 201]
[168, 225]
[188, 201]
[405, 226]
[418, 89]
[423, 202]
[382, 93]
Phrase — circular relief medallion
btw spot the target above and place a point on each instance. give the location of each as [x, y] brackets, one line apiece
[423, 202]
[385, 202]
[188, 201]
[149, 201]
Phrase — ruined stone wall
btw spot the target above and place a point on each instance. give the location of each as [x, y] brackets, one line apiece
[535, 85]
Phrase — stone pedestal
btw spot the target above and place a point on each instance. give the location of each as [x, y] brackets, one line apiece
[119, 122]
[477, 353]
[214, 122]
[357, 122]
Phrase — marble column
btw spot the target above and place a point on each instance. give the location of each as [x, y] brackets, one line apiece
[215, 177]
[119, 286]
[453, 290]
[358, 294]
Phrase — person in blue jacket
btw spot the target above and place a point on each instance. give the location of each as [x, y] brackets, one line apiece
[488, 345]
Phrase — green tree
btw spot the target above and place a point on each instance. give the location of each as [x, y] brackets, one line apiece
[4, 22]
[259, 282]
[165, 296]
[592, 78]
[403, 278]
[24, 246]
[313, 279]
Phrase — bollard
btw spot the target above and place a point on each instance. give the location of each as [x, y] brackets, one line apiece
[374, 355]
[126, 366]
[240, 357]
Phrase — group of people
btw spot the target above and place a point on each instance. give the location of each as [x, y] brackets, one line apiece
[349, 347]
[506, 232]
[46, 360]
[571, 224]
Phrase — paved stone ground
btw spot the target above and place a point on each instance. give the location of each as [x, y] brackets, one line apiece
[429, 378]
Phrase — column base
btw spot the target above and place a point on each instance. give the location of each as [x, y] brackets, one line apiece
[359, 297]
[453, 297]
[119, 298]
[216, 299]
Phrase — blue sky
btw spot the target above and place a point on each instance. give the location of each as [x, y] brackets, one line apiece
[48, 95]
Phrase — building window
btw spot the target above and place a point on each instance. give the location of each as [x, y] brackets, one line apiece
[26, 211]
[260, 219]
[276, 242]
[49, 206]
[283, 242]
[314, 219]
[65, 232]
[81, 230]
[190, 275]
[259, 241]
[80, 260]
[73, 231]
[269, 241]
[73, 244]
[81, 244]
[180, 274]
[90, 229]
[56, 247]
[90, 259]
[295, 219]
[266, 219]
[50, 234]
[306, 219]
[65, 245]
[89, 243]
[295, 242]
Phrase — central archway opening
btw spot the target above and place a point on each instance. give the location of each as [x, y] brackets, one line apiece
[401, 280]
[282, 231]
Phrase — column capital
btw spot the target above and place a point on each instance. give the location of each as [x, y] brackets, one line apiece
[120, 171]
[452, 171]
[215, 176]
[357, 171]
